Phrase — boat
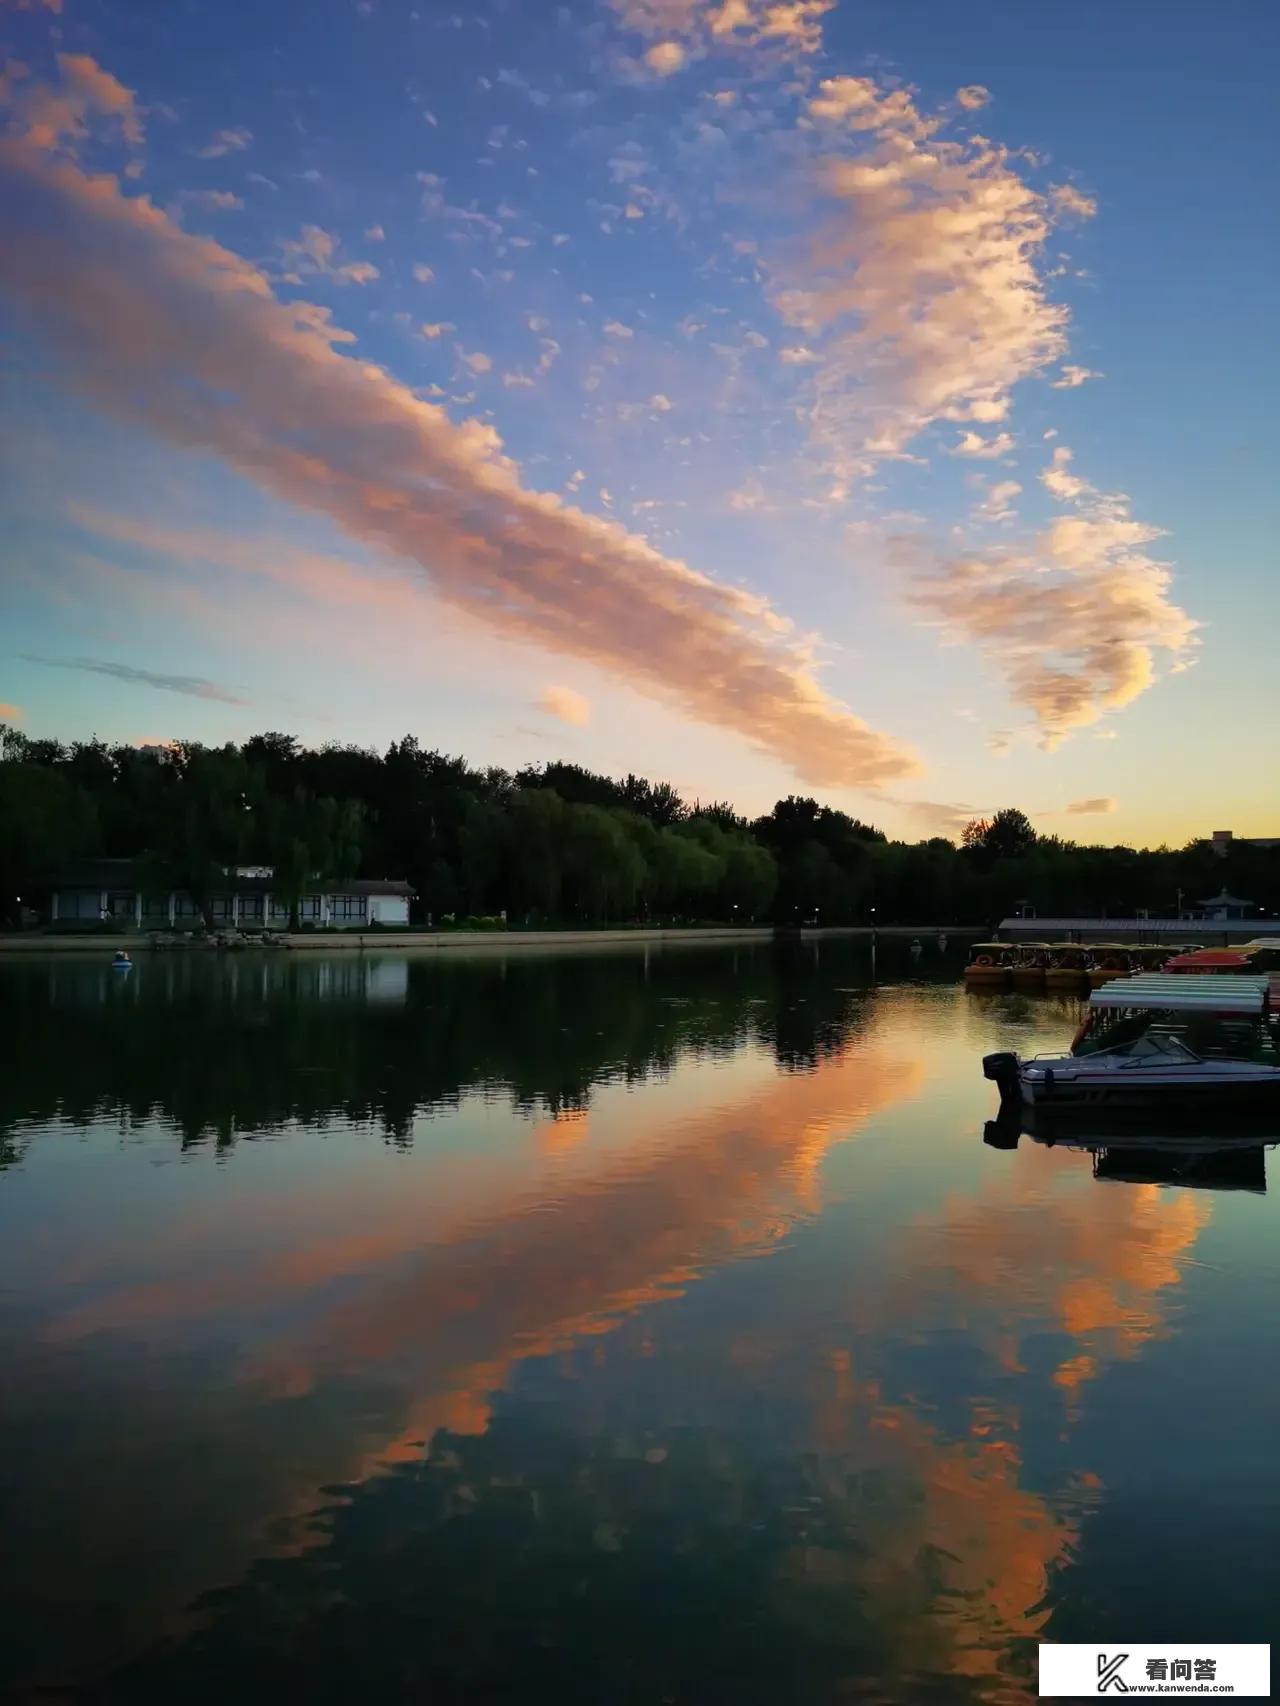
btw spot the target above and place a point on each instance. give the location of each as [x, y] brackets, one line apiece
[1148, 957]
[1263, 953]
[120, 961]
[1158, 1042]
[1067, 972]
[1030, 960]
[1105, 961]
[1212, 962]
[989, 966]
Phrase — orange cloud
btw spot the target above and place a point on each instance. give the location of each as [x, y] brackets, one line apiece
[785, 26]
[1072, 617]
[568, 706]
[181, 336]
[51, 118]
[10, 713]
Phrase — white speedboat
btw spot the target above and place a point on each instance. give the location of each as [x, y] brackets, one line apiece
[1139, 1058]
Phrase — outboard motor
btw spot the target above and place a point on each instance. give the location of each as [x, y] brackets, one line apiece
[1002, 1069]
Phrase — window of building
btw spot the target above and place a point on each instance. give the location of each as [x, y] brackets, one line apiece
[309, 909]
[345, 908]
[80, 903]
[251, 909]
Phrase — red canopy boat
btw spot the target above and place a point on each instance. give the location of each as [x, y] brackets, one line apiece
[1210, 960]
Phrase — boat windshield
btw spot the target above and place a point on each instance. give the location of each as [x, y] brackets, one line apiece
[1161, 1046]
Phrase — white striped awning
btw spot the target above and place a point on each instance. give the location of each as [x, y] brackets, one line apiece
[1171, 992]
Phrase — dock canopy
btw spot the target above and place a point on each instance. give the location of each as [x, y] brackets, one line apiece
[1183, 993]
[1210, 959]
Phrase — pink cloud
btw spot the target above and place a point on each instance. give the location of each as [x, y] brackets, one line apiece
[177, 334]
[924, 291]
[10, 713]
[1073, 618]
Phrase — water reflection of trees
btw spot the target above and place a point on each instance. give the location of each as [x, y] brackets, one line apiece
[243, 1046]
[530, 1563]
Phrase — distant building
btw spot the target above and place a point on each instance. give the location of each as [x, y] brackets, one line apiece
[99, 889]
[1224, 906]
[1202, 928]
[1222, 840]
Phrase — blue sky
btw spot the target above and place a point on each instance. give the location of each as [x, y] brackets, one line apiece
[757, 394]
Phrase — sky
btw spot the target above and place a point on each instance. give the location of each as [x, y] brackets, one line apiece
[860, 399]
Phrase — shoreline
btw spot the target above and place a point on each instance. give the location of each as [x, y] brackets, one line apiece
[444, 941]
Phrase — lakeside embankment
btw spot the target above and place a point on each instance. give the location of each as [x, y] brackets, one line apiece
[444, 940]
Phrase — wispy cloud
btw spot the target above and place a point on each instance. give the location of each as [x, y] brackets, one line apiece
[566, 705]
[939, 817]
[1073, 617]
[924, 293]
[780, 27]
[973, 444]
[1058, 479]
[1089, 808]
[1072, 376]
[198, 350]
[997, 503]
[49, 117]
[225, 142]
[1073, 202]
[10, 713]
[312, 254]
[210, 201]
[194, 686]
[665, 58]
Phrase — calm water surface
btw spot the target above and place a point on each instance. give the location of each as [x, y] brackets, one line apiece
[627, 1327]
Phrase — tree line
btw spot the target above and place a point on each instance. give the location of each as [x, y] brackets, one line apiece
[550, 844]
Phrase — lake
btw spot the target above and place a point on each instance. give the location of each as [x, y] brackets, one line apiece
[644, 1326]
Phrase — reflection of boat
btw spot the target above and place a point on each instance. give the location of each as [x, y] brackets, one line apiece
[1158, 1042]
[1028, 970]
[1149, 1153]
[1067, 969]
[988, 966]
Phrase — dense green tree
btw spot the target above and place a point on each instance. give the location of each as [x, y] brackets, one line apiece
[307, 841]
[46, 819]
[555, 843]
[208, 827]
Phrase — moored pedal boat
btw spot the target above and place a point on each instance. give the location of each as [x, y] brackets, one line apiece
[988, 967]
